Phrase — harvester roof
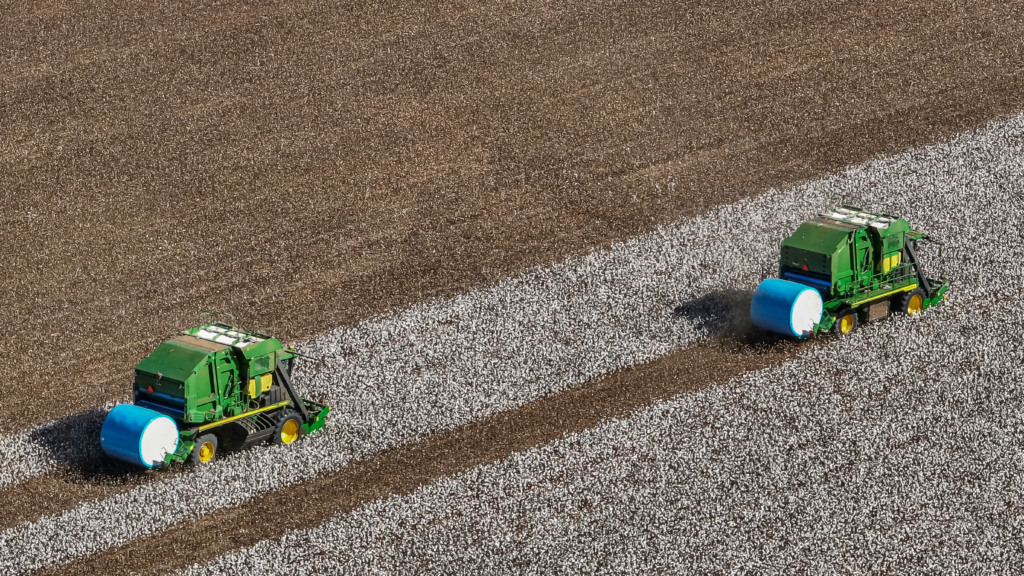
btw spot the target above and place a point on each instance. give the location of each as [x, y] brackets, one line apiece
[826, 233]
[885, 225]
[858, 218]
[250, 344]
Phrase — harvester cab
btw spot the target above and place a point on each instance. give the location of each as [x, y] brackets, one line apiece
[211, 388]
[842, 268]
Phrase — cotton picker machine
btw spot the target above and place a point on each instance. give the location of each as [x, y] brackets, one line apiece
[210, 388]
[843, 268]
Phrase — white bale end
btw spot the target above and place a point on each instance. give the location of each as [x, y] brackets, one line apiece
[158, 440]
[138, 435]
[786, 307]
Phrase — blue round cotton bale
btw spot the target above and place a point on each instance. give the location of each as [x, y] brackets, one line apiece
[786, 307]
[138, 435]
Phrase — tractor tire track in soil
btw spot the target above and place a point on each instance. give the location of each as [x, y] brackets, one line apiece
[276, 160]
[402, 470]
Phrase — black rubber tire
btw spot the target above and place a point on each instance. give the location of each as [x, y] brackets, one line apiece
[907, 301]
[198, 457]
[293, 432]
[850, 315]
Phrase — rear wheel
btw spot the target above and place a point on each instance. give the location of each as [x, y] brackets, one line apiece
[205, 450]
[846, 322]
[288, 428]
[912, 302]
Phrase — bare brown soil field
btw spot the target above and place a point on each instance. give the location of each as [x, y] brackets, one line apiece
[52, 493]
[304, 165]
[300, 166]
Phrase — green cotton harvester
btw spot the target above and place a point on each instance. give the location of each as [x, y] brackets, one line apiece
[842, 268]
[211, 388]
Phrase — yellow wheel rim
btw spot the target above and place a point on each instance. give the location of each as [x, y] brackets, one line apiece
[289, 432]
[846, 324]
[206, 452]
[915, 304]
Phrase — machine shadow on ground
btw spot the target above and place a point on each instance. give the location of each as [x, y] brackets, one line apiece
[74, 443]
[725, 314]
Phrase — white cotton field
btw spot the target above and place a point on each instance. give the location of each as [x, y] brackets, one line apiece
[899, 449]
[396, 378]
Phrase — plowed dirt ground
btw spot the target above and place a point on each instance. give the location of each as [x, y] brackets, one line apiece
[297, 166]
[304, 165]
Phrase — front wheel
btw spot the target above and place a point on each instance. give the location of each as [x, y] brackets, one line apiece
[288, 428]
[846, 322]
[912, 302]
[205, 450]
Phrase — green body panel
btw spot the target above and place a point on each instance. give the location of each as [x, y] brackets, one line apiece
[205, 373]
[856, 258]
[181, 454]
[938, 297]
[174, 360]
[818, 236]
[211, 375]
[318, 420]
[815, 248]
